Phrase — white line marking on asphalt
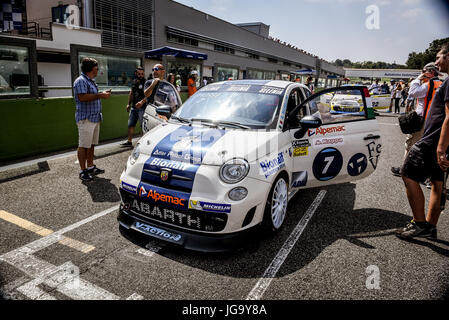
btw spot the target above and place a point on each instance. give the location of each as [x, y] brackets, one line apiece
[8, 289]
[264, 282]
[388, 124]
[64, 278]
[135, 296]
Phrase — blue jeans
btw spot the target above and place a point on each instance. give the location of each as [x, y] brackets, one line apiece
[134, 115]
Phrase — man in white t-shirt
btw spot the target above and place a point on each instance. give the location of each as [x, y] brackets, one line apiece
[374, 87]
[418, 90]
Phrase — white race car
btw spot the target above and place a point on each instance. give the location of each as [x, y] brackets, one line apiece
[229, 160]
[346, 101]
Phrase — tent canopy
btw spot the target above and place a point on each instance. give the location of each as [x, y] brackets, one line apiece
[175, 52]
[306, 72]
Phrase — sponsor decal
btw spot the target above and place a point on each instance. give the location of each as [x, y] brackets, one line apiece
[300, 147]
[208, 206]
[357, 164]
[160, 233]
[299, 179]
[162, 163]
[160, 197]
[327, 130]
[374, 150]
[185, 143]
[333, 141]
[128, 187]
[327, 164]
[270, 167]
[166, 214]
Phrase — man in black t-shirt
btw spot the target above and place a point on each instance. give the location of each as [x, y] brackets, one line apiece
[427, 158]
[135, 112]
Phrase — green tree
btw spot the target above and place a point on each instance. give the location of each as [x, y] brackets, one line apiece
[419, 60]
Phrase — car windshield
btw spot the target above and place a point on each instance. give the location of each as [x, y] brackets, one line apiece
[254, 106]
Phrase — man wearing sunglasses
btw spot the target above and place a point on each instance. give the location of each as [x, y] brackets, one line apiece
[428, 158]
[150, 87]
[423, 89]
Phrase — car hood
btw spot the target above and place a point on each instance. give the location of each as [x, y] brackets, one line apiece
[207, 145]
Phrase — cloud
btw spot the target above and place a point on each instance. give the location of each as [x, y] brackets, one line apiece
[411, 2]
[412, 14]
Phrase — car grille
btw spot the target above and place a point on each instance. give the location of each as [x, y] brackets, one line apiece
[188, 219]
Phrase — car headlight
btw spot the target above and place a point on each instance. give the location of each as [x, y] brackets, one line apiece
[234, 170]
[135, 155]
[238, 193]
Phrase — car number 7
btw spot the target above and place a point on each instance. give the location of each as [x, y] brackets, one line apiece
[328, 161]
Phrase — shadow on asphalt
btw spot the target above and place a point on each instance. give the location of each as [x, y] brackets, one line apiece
[18, 173]
[102, 190]
[335, 219]
[430, 243]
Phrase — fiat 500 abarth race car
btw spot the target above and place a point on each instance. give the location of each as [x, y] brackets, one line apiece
[229, 160]
[350, 102]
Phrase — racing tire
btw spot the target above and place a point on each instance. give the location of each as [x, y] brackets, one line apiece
[276, 206]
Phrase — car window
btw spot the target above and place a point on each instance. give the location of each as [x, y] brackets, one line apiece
[166, 95]
[339, 106]
[250, 105]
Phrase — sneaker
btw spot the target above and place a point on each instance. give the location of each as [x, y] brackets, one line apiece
[94, 170]
[396, 171]
[412, 230]
[428, 184]
[126, 144]
[433, 232]
[85, 175]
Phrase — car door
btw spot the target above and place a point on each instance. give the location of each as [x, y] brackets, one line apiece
[166, 94]
[346, 147]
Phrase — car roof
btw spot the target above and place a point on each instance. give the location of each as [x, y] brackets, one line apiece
[271, 83]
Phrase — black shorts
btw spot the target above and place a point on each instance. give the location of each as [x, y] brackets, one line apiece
[421, 163]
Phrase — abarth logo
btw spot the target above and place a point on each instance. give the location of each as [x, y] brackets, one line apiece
[165, 175]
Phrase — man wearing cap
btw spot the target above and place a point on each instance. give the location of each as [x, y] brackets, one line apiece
[420, 90]
[427, 158]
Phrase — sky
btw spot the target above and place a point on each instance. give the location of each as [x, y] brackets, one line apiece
[358, 30]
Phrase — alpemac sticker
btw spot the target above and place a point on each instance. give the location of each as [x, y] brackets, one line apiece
[327, 130]
[328, 142]
[270, 167]
[157, 196]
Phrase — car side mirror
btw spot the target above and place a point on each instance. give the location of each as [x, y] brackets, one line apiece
[164, 111]
[307, 122]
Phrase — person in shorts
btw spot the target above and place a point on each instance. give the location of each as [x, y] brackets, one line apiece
[135, 114]
[427, 158]
[88, 117]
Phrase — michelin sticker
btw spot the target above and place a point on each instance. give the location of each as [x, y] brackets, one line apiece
[270, 167]
[300, 148]
[327, 164]
[210, 207]
[129, 188]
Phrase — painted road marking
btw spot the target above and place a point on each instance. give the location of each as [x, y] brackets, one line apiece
[64, 279]
[388, 124]
[264, 282]
[27, 225]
